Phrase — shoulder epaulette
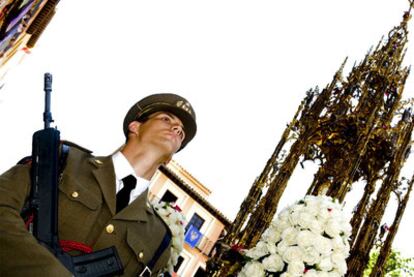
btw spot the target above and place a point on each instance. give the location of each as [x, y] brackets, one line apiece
[72, 144]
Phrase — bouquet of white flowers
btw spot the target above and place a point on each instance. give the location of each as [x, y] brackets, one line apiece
[309, 238]
[173, 217]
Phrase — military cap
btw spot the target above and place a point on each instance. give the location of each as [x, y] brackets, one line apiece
[166, 102]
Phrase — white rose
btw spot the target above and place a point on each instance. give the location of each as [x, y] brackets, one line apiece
[294, 217]
[315, 226]
[305, 238]
[271, 235]
[340, 266]
[283, 225]
[174, 257]
[258, 251]
[296, 268]
[332, 228]
[338, 244]
[163, 212]
[323, 215]
[325, 264]
[175, 230]
[311, 256]
[176, 241]
[337, 258]
[271, 247]
[273, 263]
[252, 269]
[346, 227]
[175, 217]
[281, 247]
[284, 214]
[306, 219]
[323, 245]
[293, 254]
[313, 206]
[289, 235]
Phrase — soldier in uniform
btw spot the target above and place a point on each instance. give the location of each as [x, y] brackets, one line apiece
[92, 195]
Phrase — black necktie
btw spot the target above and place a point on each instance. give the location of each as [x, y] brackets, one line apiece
[122, 197]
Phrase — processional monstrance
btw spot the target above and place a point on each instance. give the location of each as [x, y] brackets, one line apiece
[359, 130]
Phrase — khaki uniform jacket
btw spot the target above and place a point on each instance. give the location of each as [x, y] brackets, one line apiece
[87, 205]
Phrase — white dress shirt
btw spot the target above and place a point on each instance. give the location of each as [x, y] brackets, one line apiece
[122, 169]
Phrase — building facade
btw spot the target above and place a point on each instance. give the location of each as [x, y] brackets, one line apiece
[205, 224]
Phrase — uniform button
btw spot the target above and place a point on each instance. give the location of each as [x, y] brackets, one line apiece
[75, 194]
[110, 228]
[141, 255]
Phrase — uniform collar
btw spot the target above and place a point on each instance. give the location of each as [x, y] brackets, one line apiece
[104, 173]
[122, 169]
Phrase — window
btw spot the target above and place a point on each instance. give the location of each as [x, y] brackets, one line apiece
[179, 262]
[197, 221]
[200, 272]
[169, 197]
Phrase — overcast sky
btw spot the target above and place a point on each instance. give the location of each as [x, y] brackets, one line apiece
[244, 65]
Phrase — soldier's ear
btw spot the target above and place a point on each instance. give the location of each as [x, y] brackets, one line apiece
[133, 127]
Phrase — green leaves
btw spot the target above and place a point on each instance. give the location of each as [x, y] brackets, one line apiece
[395, 266]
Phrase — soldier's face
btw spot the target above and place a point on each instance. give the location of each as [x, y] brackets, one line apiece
[163, 129]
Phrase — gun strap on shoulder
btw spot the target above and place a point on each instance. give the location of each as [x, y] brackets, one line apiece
[147, 272]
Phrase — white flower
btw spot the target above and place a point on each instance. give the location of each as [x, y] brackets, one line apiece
[282, 225]
[325, 264]
[284, 214]
[316, 226]
[338, 245]
[253, 269]
[175, 230]
[258, 251]
[332, 228]
[271, 235]
[306, 219]
[289, 235]
[174, 219]
[323, 215]
[340, 264]
[311, 256]
[346, 227]
[298, 236]
[294, 217]
[271, 247]
[281, 247]
[296, 268]
[273, 263]
[323, 245]
[305, 238]
[293, 254]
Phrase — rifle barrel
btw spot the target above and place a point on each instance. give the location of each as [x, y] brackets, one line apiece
[47, 115]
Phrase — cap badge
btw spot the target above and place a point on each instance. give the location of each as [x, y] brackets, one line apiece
[184, 105]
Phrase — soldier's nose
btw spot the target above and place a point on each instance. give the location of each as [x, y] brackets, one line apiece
[179, 131]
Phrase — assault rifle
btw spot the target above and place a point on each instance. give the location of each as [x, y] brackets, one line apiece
[43, 203]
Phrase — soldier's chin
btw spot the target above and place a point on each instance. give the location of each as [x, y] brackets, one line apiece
[170, 147]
